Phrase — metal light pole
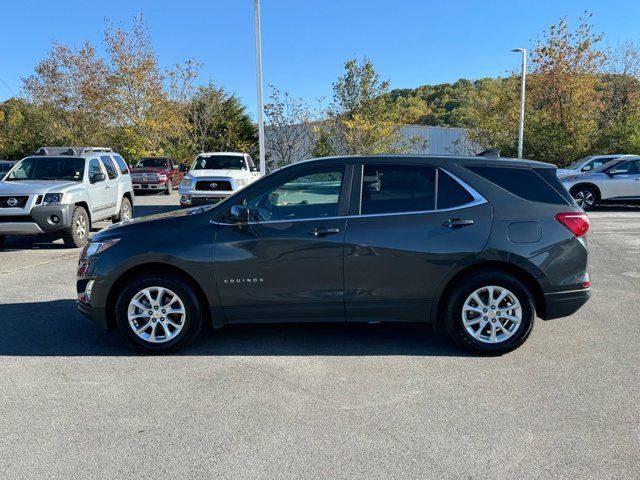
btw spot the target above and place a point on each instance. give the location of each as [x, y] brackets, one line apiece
[256, 12]
[522, 85]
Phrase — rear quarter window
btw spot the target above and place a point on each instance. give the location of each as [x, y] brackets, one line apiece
[523, 182]
[122, 165]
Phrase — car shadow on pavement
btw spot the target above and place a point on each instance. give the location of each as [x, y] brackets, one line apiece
[144, 210]
[56, 329]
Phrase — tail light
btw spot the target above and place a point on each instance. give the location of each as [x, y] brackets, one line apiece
[577, 223]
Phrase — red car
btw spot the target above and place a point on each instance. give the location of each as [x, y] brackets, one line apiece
[153, 174]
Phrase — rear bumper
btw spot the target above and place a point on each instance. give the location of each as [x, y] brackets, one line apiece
[97, 315]
[563, 304]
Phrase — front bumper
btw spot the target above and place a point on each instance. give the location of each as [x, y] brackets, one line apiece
[43, 219]
[193, 198]
[160, 185]
[97, 315]
[563, 304]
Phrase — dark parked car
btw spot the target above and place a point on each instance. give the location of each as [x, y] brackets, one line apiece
[157, 174]
[483, 245]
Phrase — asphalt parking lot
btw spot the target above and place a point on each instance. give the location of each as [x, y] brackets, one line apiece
[342, 401]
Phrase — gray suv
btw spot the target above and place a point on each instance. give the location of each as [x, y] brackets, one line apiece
[617, 181]
[482, 245]
[64, 190]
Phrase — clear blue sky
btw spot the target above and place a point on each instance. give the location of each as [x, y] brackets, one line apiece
[305, 42]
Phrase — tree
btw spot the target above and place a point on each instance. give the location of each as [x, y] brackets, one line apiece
[362, 119]
[290, 133]
[219, 122]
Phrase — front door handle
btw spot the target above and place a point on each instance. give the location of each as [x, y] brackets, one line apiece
[457, 222]
[323, 231]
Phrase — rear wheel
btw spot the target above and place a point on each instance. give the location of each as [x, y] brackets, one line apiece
[77, 234]
[126, 211]
[586, 197]
[158, 313]
[490, 313]
[169, 188]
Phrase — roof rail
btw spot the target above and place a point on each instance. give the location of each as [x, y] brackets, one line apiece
[490, 153]
[73, 151]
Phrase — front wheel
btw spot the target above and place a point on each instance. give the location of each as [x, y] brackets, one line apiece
[77, 234]
[158, 313]
[585, 197]
[490, 313]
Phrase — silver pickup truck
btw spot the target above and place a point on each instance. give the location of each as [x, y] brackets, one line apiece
[64, 190]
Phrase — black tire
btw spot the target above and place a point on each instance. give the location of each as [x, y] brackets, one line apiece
[169, 188]
[77, 234]
[2, 239]
[462, 291]
[191, 322]
[126, 211]
[585, 196]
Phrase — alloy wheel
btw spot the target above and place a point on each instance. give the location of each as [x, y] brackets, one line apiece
[584, 198]
[492, 314]
[81, 226]
[156, 314]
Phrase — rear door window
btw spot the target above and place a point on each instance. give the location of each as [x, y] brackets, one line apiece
[397, 189]
[450, 193]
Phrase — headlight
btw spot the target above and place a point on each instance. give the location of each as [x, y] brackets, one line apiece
[94, 248]
[162, 176]
[186, 183]
[52, 199]
[241, 182]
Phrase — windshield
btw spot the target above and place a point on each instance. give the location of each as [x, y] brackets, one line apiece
[219, 162]
[575, 165]
[48, 168]
[151, 163]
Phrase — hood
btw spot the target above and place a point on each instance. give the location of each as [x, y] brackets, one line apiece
[217, 173]
[162, 221]
[26, 187]
[149, 169]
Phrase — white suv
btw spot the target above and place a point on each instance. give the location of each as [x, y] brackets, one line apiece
[64, 190]
[214, 176]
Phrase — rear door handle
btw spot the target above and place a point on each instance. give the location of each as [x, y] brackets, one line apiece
[457, 222]
[323, 231]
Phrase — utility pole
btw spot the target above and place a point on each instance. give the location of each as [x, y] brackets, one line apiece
[256, 12]
[523, 80]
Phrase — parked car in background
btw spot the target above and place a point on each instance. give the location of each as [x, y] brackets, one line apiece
[215, 176]
[65, 190]
[587, 164]
[482, 244]
[617, 181]
[157, 174]
[5, 166]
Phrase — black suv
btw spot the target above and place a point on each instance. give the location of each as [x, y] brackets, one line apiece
[483, 245]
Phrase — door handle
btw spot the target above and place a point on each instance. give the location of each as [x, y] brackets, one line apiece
[324, 231]
[457, 222]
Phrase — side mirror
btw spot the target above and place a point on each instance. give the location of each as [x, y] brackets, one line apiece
[255, 169]
[182, 167]
[98, 177]
[175, 167]
[586, 168]
[240, 213]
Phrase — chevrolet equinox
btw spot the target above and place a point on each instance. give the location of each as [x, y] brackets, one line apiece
[482, 245]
